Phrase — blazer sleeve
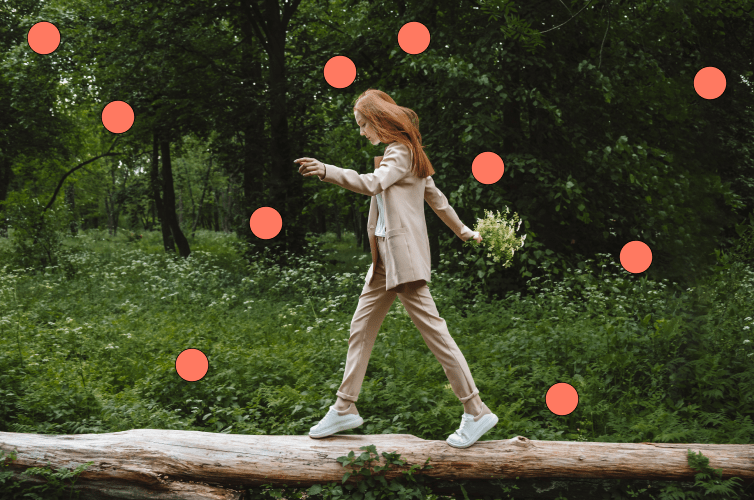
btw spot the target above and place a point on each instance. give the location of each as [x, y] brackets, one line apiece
[442, 208]
[395, 165]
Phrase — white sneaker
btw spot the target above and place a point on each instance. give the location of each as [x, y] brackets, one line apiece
[336, 421]
[472, 428]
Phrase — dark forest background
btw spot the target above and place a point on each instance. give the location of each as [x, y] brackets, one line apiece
[590, 104]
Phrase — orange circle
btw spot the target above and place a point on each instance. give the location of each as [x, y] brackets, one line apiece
[709, 82]
[562, 399]
[265, 223]
[340, 72]
[488, 168]
[413, 38]
[43, 38]
[191, 365]
[117, 117]
[635, 257]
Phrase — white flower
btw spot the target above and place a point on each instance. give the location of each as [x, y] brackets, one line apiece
[746, 328]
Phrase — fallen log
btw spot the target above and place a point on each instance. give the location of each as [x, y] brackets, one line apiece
[193, 465]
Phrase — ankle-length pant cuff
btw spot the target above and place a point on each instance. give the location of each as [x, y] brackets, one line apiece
[347, 396]
[463, 400]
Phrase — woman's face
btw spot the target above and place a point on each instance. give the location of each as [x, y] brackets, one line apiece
[366, 128]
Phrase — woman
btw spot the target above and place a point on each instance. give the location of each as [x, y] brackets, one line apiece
[400, 266]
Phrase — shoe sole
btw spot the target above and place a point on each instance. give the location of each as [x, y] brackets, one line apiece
[344, 425]
[483, 430]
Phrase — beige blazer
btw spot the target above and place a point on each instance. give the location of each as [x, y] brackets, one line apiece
[407, 263]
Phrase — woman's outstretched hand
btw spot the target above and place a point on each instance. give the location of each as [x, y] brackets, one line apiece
[477, 237]
[310, 166]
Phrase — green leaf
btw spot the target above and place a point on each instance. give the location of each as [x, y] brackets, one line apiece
[477, 104]
[557, 209]
[316, 489]
[468, 128]
[581, 207]
[532, 262]
[480, 274]
[649, 199]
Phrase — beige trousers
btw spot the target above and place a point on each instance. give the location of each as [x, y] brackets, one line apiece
[374, 303]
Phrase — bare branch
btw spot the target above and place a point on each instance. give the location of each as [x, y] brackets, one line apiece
[558, 26]
[60, 184]
[603, 38]
[564, 5]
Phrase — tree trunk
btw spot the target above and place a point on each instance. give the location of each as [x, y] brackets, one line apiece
[354, 224]
[338, 235]
[109, 210]
[197, 214]
[321, 221]
[6, 175]
[216, 211]
[70, 199]
[190, 191]
[169, 205]
[227, 207]
[180, 207]
[158, 463]
[286, 185]
[167, 237]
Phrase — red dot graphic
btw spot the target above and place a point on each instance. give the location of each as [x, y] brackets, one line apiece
[43, 38]
[562, 399]
[413, 38]
[191, 365]
[709, 82]
[265, 223]
[488, 168]
[340, 72]
[635, 257]
[117, 117]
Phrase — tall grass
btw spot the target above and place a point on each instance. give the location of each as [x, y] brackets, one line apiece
[95, 351]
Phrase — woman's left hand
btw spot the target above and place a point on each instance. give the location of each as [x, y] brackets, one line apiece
[477, 237]
[310, 166]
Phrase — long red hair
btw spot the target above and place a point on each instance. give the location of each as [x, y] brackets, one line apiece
[395, 123]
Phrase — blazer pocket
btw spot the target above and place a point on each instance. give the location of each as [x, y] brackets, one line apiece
[395, 232]
[398, 259]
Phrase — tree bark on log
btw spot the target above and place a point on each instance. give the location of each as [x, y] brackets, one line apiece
[172, 464]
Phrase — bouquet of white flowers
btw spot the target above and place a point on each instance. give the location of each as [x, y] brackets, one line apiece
[499, 236]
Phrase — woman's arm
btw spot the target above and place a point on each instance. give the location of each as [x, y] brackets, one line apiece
[442, 208]
[395, 165]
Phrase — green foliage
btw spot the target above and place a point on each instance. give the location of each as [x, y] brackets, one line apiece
[37, 235]
[54, 487]
[707, 483]
[96, 353]
[371, 486]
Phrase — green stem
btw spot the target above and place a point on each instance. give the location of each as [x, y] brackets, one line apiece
[18, 328]
[403, 352]
[81, 368]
